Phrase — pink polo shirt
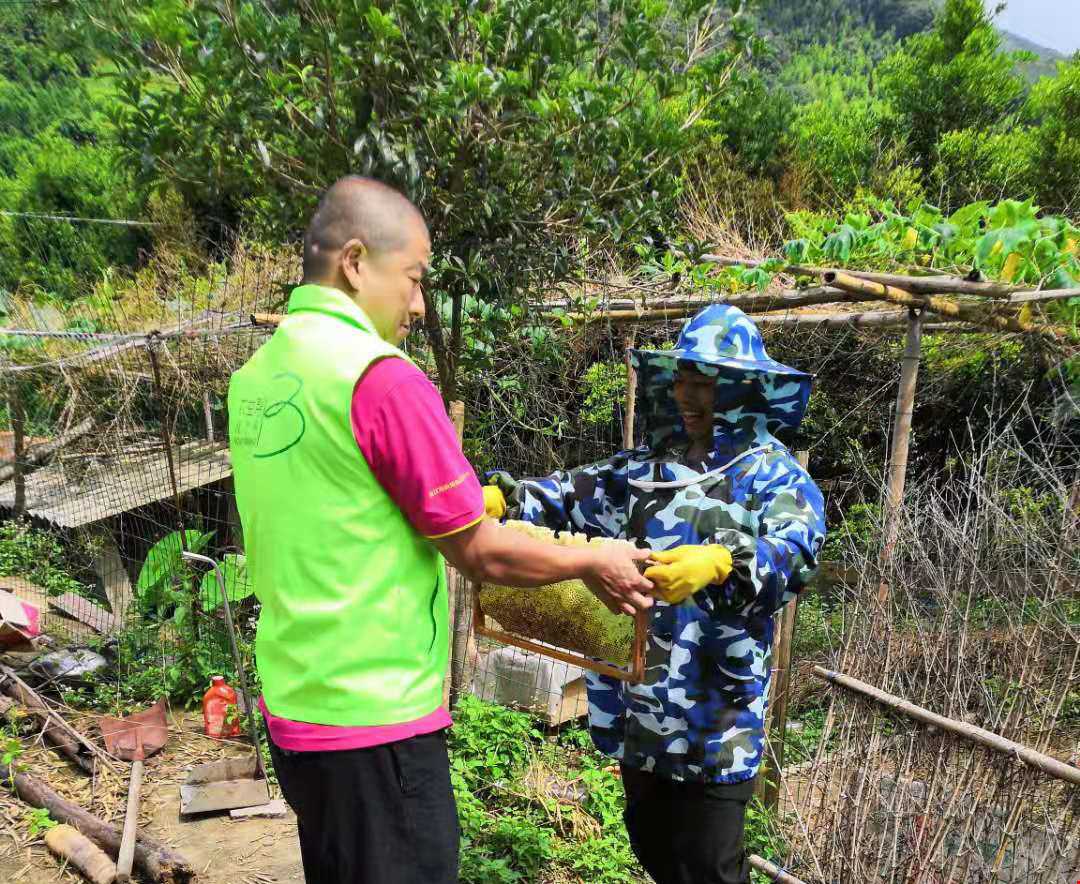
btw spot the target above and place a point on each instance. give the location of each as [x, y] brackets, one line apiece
[403, 433]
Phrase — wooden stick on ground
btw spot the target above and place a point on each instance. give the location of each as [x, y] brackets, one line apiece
[152, 858]
[1046, 763]
[57, 731]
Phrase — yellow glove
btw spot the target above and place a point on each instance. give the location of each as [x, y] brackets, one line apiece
[494, 502]
[687, 569]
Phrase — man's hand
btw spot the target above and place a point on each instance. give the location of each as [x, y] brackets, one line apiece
[613, 576]
[687, 569]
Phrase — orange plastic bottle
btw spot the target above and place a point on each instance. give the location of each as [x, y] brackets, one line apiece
[217, 703]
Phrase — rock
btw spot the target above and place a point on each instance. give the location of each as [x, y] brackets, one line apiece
[73, 664]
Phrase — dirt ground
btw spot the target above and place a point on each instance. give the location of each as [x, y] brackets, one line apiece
[221, 850]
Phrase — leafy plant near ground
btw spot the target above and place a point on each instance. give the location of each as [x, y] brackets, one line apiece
[535, 809]
[38, 821]
[166, 584]
[37, 556]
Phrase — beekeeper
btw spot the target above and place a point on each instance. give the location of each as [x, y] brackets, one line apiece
[351, 487]
[735, 525]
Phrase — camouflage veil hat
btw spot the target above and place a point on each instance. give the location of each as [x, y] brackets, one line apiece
[721, 341]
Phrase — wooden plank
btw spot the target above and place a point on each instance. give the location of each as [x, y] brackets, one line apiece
[110, 569]
[227, 795]
[86, 612]
[218, 771]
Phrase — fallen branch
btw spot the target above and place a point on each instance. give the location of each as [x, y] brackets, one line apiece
[942, 306]
[38, 454]
[152, 858]
[1046, 763]
[56, 731]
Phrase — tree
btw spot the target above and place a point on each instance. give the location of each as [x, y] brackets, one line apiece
[56, 157]
[953, 77]
[522, 128]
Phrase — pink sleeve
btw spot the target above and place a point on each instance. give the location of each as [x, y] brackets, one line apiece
[407, 439]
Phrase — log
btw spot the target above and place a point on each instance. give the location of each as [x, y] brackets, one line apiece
[774, 872]
[56, 730]
[72, 845]
[38, 454]
[942, 306]
[152, 858]
[970, 732]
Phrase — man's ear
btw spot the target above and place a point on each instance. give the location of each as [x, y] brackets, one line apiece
[354, 256]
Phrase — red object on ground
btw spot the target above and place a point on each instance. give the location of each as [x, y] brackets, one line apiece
[217, 703]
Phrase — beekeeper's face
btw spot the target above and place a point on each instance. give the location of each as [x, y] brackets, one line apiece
[695, 394]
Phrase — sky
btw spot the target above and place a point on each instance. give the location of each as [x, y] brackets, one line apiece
[1053, 23]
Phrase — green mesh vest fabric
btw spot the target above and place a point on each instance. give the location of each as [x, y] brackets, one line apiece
[353, 621]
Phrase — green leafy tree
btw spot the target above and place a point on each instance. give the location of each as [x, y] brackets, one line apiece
[953, 77]
[523, 129]
[56, 158]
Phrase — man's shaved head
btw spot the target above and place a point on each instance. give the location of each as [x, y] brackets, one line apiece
[357, 208]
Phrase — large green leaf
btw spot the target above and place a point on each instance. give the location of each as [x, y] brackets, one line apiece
[237, 586]
[164, 563]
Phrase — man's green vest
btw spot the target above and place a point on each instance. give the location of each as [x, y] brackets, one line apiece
[353, 625]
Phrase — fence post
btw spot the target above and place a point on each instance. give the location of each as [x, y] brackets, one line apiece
[18, 426]
[631, 397]
[899, 446]
[461, 622]
[778, 694]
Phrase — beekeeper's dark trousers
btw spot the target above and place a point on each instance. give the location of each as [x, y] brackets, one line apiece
[687, 833]
[383, 815]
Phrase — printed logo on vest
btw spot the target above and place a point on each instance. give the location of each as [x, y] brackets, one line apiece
[271, 429]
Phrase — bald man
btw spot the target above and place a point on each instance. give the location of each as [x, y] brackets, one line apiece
[352, 488]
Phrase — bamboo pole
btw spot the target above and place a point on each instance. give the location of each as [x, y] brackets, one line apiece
[942, 306]
[780, 689]
[900, 446]
[972, 733]
[631, 398]
[931, 284]
[774, 871]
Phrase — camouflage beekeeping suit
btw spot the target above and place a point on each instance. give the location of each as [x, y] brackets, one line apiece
[699, 714]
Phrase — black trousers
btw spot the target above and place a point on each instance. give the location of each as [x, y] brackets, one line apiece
[687, 833]
[384, 815]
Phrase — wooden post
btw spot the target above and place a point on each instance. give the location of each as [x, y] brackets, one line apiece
[18, 426]
[631, 398]
[779, 691]
[899, 446]
[460, 620]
